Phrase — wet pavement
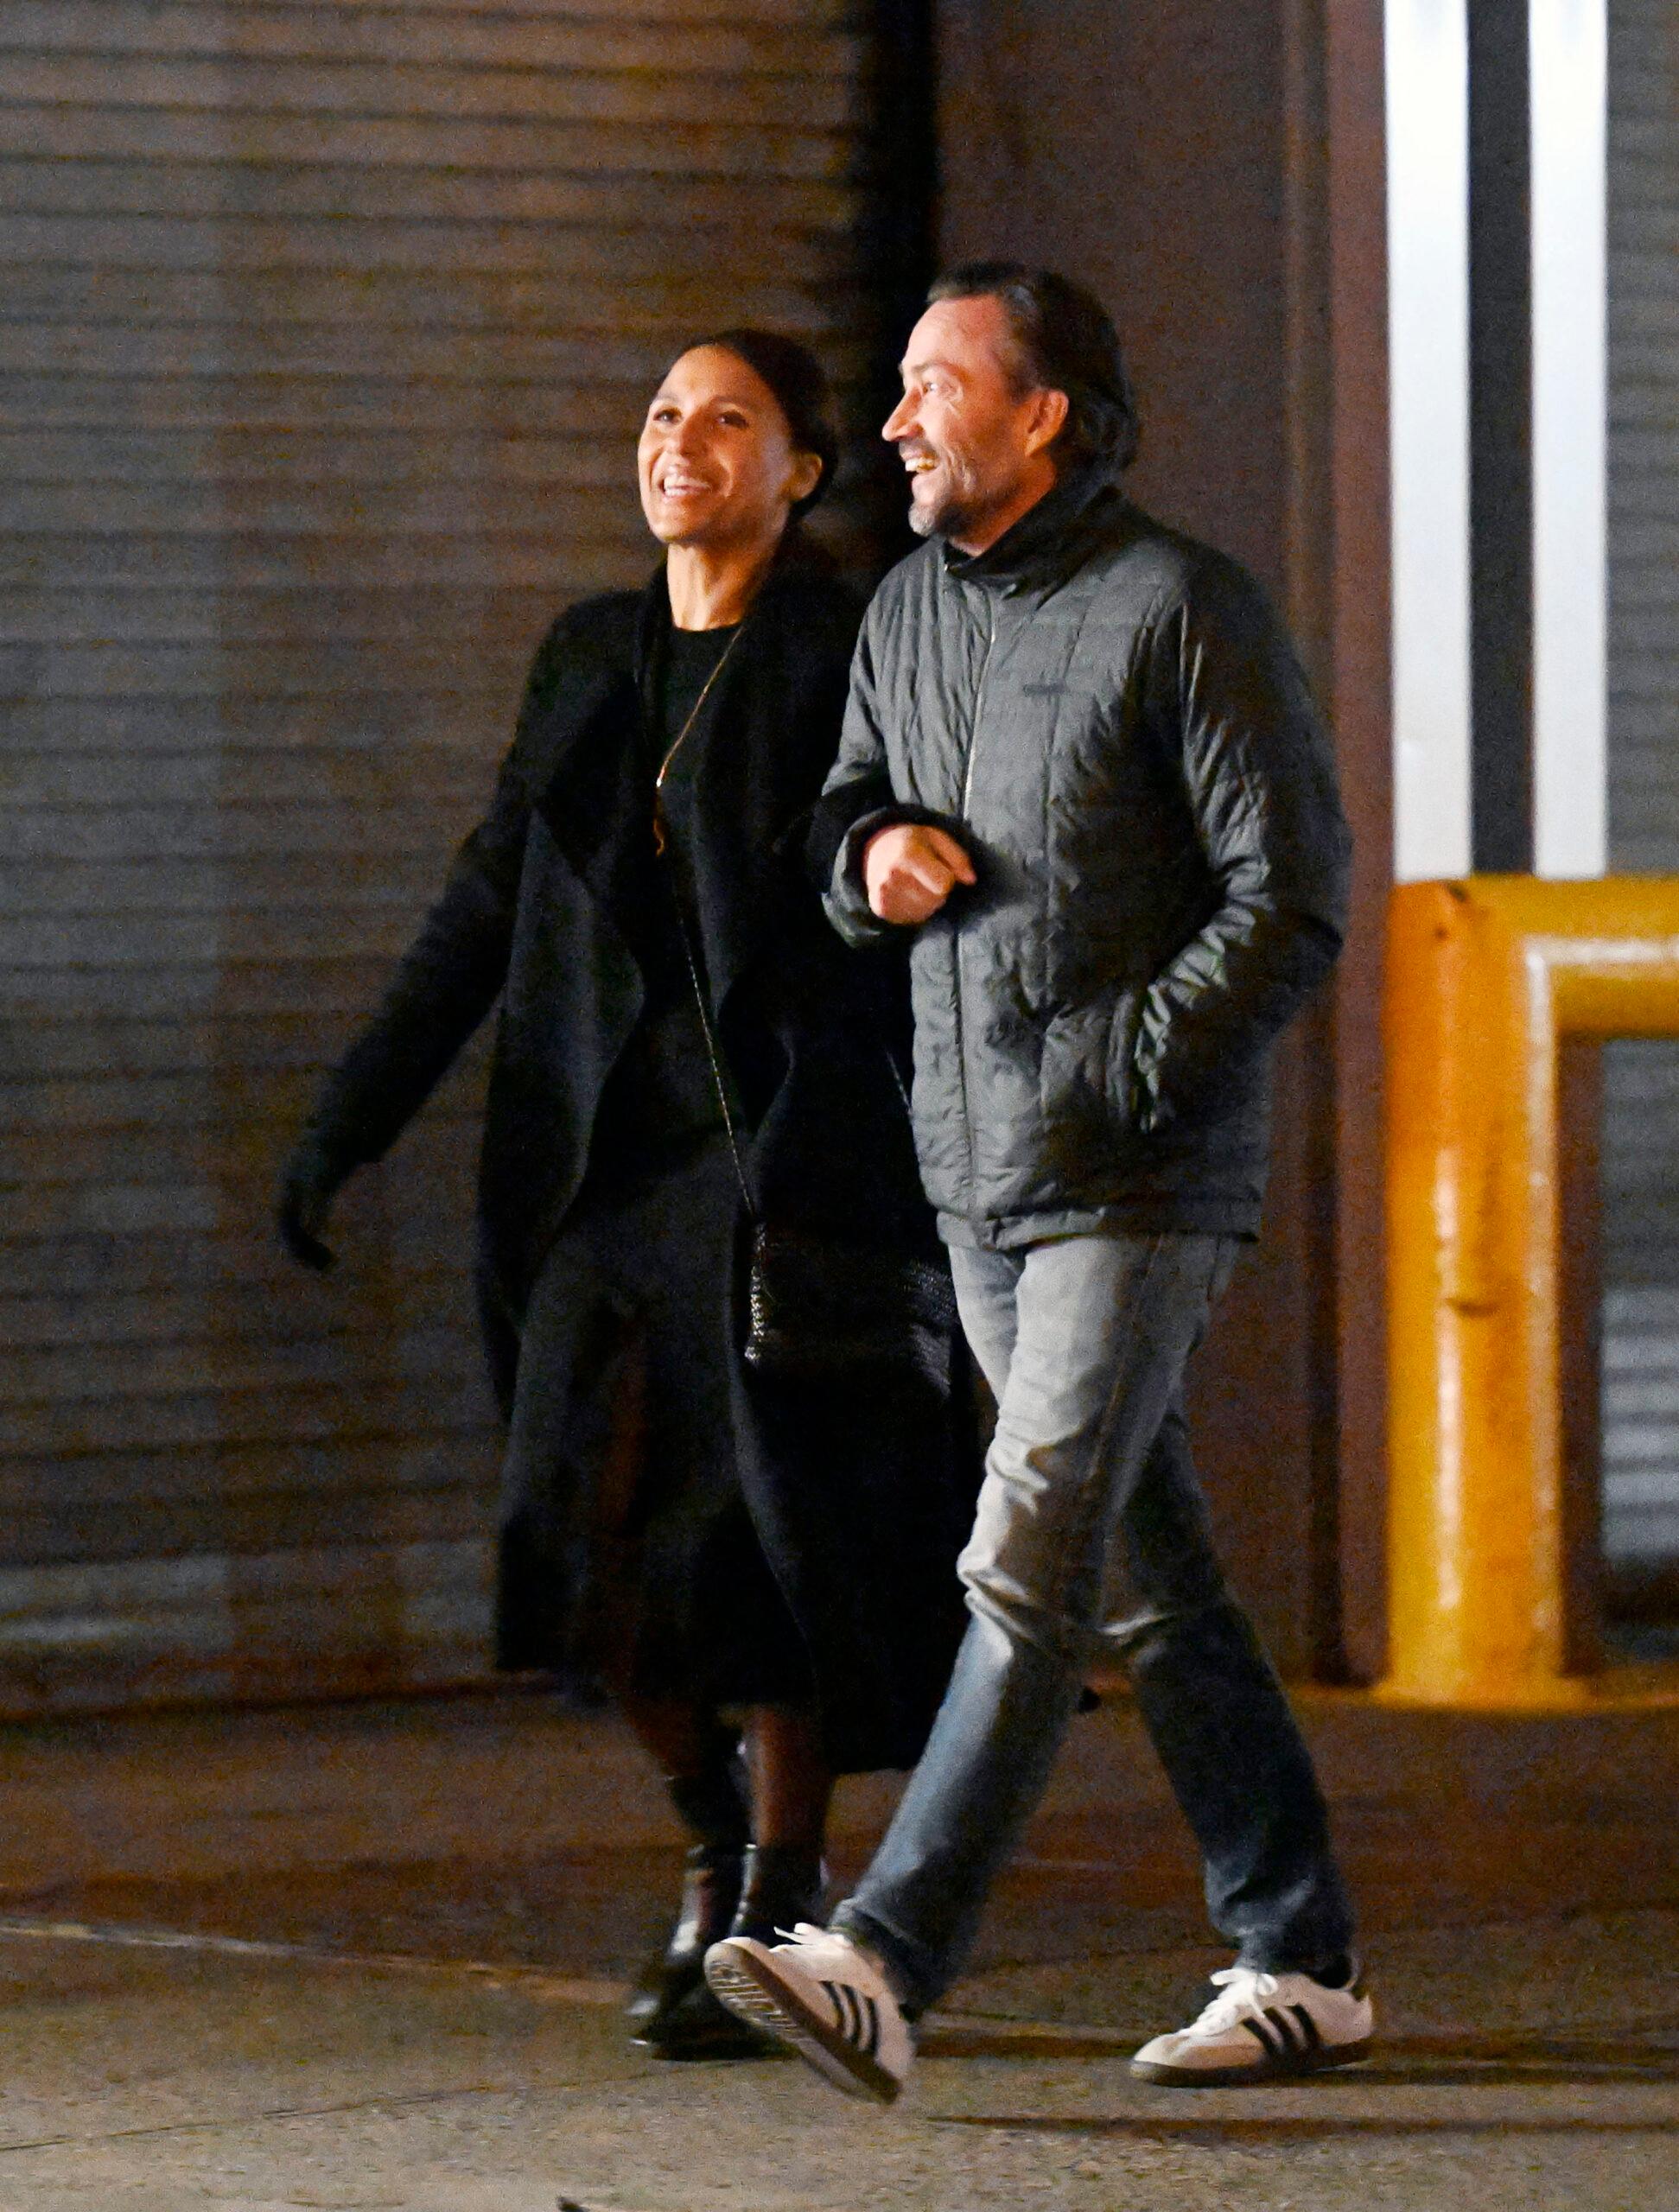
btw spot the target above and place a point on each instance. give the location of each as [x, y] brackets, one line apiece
[374, 1956]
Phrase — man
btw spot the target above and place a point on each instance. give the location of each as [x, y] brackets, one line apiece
[1080, 769]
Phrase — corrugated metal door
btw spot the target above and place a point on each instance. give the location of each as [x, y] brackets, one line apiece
[324, 331]
[1640, 1150]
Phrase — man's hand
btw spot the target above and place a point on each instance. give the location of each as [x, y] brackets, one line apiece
[910, 870]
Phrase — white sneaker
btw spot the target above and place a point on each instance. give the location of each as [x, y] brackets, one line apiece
[826, 1998]
[1261, 2027]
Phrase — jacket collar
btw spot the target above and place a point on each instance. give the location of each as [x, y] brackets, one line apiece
[1042, 543]
[797, 560]
[606, 688]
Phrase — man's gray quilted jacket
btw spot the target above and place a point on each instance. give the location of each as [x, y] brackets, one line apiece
[1112, 720]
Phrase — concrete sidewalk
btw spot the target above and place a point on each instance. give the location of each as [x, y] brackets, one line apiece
[374, 1956]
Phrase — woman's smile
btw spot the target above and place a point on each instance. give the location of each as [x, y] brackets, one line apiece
[680, 482]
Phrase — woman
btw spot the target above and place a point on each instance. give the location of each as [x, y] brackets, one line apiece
[762, 1566]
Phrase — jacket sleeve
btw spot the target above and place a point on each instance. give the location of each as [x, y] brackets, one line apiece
[1223, 684]
[451, 974]
[857, 801]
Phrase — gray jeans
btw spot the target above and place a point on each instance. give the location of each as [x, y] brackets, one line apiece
[1091, 1540]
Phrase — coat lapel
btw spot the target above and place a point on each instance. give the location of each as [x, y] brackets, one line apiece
[581, 768]
[590, 767]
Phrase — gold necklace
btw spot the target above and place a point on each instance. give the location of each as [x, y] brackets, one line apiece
[722, 662]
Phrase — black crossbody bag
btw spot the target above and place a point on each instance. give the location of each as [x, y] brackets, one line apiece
[818, 1307]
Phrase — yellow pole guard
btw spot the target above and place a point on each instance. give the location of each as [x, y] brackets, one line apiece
[1484, 977]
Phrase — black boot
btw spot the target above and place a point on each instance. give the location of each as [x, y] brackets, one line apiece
[713, 1805]
[781, 1883]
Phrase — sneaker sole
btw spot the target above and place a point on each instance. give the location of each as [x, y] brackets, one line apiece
[1267, 2070]
[755, 1994]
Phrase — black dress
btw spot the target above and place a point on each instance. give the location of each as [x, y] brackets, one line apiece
[624, 1355]
[643, 1489]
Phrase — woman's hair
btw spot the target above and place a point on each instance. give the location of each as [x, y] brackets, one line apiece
[795, 376]
[1066, 342]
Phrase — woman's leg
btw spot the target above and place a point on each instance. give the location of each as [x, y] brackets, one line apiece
[780, 1874]
[699, 1759]
[791, 1784]
[697, 1754]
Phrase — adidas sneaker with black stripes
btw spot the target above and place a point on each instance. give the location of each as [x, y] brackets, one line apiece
[824, 1997]
[1261, 2027]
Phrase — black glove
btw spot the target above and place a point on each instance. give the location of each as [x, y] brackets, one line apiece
[307, 1191]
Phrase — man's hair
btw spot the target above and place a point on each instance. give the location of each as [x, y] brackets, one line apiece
[1066, 342]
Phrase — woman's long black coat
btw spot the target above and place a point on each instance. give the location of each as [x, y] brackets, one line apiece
[861, 1493]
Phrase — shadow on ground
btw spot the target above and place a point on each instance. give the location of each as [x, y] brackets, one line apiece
[373, 1957]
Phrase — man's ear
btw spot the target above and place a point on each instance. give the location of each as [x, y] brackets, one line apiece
[1050, 410]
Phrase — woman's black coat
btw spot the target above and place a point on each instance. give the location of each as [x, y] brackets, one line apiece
[861, 1493]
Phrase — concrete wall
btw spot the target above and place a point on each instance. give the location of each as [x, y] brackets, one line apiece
[327, 334]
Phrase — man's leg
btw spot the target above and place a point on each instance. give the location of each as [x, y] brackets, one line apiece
[1084, 1341]
[1221, 1725]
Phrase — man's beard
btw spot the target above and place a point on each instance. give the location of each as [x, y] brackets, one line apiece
[950, 518]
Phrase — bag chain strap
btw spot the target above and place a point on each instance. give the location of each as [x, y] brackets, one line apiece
[718, 666]
[712, 1054]
[661, 846]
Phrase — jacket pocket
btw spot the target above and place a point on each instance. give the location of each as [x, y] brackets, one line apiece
[1124, 1089]
[1086, 1083]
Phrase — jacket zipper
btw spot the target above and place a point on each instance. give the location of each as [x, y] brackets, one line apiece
[961, 981]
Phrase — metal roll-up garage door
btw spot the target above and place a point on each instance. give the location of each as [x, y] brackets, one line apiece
[1641, 1081]
[324, 333]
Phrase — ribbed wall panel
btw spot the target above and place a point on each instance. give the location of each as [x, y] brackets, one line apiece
[324, 335]
[1640, 1149]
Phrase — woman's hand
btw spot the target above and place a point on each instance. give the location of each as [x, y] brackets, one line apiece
[307, 1191]
[911, 869]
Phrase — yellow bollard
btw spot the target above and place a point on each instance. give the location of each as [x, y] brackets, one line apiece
[1485, 977]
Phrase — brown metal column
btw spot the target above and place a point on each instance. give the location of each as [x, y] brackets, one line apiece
[1360, 706]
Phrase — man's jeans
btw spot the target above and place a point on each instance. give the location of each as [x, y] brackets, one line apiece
[1091, 1540]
